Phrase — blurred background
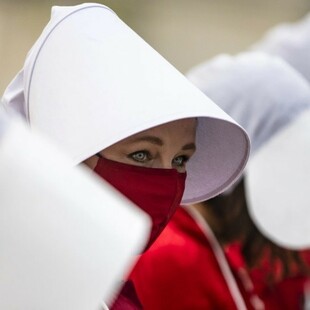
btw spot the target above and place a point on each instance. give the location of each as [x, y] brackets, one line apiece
[184, 32]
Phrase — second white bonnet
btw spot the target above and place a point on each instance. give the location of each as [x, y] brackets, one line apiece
[290, 41]
[271, 101]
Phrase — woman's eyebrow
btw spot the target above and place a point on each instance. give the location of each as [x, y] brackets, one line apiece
[158, 141]
[151, 139]
[189, 146]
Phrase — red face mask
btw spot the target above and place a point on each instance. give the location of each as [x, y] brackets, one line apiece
[158, 192]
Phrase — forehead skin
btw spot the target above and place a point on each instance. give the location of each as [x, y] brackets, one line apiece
[169, 140]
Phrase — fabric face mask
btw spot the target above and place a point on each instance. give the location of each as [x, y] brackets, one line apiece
[158, 192]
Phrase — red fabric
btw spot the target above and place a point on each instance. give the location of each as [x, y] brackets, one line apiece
[283, 294]
[127, 299]
[180, 271]
[158, 192]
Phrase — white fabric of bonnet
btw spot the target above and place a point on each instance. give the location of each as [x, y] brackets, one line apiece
[290, 41]
[271, 101]
[59, 248]
[90, 81]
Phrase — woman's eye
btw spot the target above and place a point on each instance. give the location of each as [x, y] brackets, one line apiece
[140, 156]
[180, 161]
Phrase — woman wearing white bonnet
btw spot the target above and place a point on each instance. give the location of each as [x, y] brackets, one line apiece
[274, 109]
[272, 101]
[290, 41]
[105, 97]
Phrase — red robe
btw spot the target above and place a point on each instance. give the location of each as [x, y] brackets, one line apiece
[186, 269]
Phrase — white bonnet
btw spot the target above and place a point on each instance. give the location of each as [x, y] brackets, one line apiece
[271, 101]
[290, 41]
[59, 248]
[90, 81]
